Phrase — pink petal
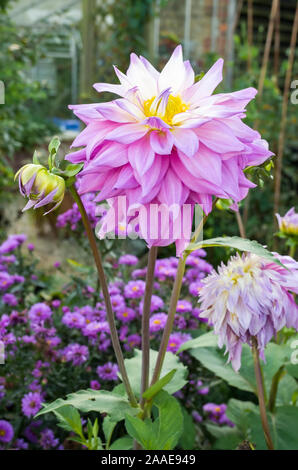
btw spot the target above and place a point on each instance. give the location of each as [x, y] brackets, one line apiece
[186, 141]
[162, 141]
[113, 113]
[173, 73]
[117, 89]
[218, 137]
[127, 133]
[141, 155]
[206, 85]
[76, 157]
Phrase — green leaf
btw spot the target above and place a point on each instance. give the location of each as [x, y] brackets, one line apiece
[35, 158]
[165, 431]
[69, 419]
[54, 145]
[53, 149]
[159, 385]
[286, 390]
[134, 367]
[187, 439]
[71, 170]
[226, 438]
[123, 443]
[203, 341]
[238, 243]
[285, 424]
[108, 427]
[93, 400]
[214, 360]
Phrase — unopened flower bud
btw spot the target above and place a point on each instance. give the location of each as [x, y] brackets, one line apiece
[41, 186]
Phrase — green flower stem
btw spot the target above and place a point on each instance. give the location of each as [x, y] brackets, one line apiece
[261, 397]
[274, 387]
[145, 321]
[292, 250]
[106, 295]
[170, 320]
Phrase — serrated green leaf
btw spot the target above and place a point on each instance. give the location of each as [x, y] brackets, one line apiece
[242, 244]
[165, 431]
[93, 400]
[69, 418]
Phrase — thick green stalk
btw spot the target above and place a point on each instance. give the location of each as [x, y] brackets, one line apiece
[145, 321]
[261, 396]
[170, 319]
[106, 295]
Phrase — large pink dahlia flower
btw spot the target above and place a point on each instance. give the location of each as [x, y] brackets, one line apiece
[167, 140]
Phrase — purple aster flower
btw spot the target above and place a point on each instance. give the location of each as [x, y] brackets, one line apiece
[39, 312]
[250, 296]
[156, 304]
[47, 439]
[108, 371]
[180, 322]
[31, 403]
[164, 269]
[30, 431]
[6, 281]
[12, 243]
[158, 322]
[117, 301]
[134, 289]
[199, 253]
[95, 385]
[216, 413]
[56, 303]
[138, 273]
[195, 287]
[10, 299]
[73, 320]
[57, 264]
[176, 340]
[129, 260]
[288, 224]
[183, 306]
[30, 247]
[126, 314]
[21, 444]
[197, 417]
[6, 431]
[76, 353]
[19, 279]
[132, 341]
[95, 327]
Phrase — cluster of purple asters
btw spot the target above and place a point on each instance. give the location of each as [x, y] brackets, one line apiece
[72, 217]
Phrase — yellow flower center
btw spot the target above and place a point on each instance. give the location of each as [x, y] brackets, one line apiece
[2, 432]
[157, 322]
[125, 314]
[174, 106]
[172, 345]
[217, 409]
[135, 288]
